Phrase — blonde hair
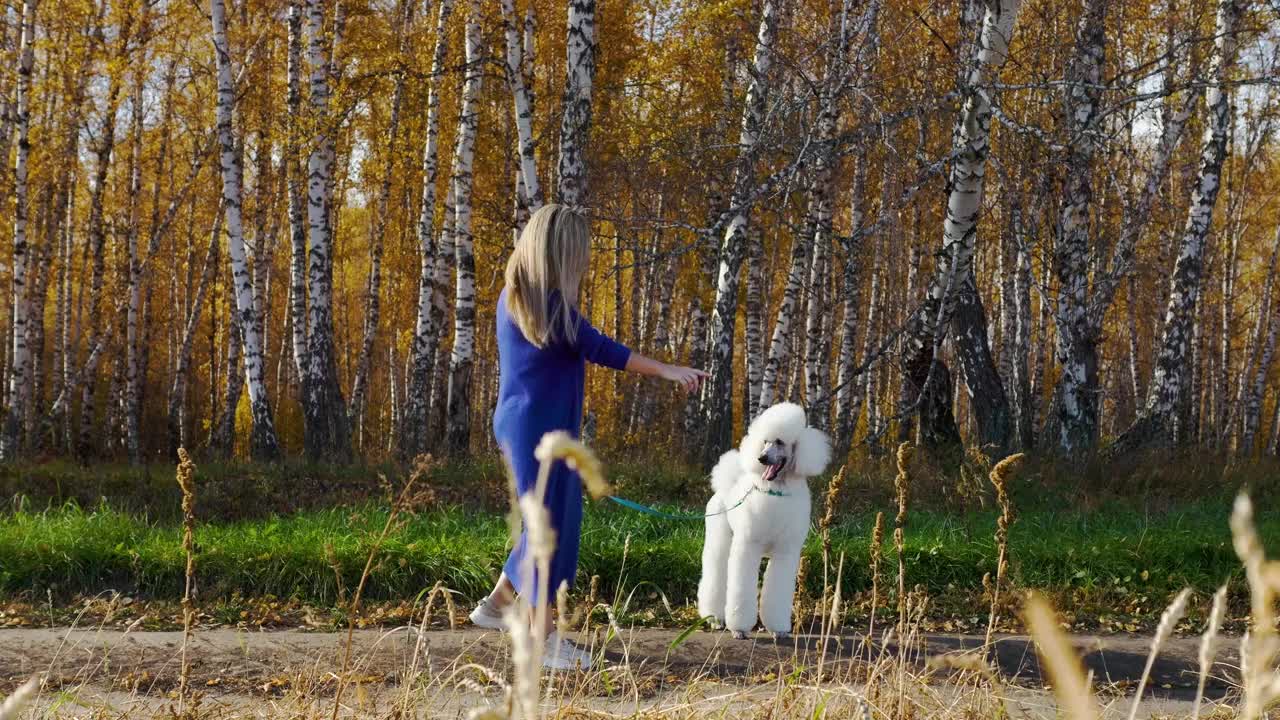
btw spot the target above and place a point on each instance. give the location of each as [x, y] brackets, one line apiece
[550, 255]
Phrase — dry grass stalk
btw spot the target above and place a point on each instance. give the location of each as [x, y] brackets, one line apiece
[899, 526]
[1060, 661]
[1208, 645]
[1168, 621]
[834, 486]
[187, 484]
[422, 466]
[1258, 647]
[13, 704]
[877, 545]
[1000, 477]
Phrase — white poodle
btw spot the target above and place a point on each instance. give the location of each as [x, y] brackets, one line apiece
[760, 509]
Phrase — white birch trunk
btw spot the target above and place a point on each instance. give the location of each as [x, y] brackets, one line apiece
[971, 146]
[458, 430]
[1078, 392]
[754, 331]
[133, 390]
[297, 201]
[264, 444]
[1252, 389]
[426, 333]
[12, 440]
[178, 422]
[1171, 376]
[326, 429]
[523, 100]
[575, 121]
[723, 317]
[373, 290]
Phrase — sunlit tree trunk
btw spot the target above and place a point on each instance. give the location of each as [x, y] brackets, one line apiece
[575, 120]
[926, 379]
[461, 360]
[297, 195]
[1171, 375]
[178, 422]
[426, 333]
[373, 289]
[12, 439]
[326, 430]
[133, 390]
[754, 331]
[1251, 390]
[1078, 393]
[97, 232]
[263, 443]
[523, 101]
[724, 316]
[779, 343]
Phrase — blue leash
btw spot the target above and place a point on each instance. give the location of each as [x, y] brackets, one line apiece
[633, 505]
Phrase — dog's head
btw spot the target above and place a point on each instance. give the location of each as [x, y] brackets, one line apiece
[780, 445]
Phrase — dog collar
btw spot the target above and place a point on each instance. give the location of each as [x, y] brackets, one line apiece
[774, 493]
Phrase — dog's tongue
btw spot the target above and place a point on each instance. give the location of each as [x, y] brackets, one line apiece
[771, 471]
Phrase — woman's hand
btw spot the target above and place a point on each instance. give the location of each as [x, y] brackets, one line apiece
[687, 378]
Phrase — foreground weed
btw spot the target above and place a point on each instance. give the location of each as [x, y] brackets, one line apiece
[186, 476]
[1000, 477]
[1060, 662]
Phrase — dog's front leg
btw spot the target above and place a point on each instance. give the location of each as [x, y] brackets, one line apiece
[779, 589]
[744, 579]
[715, 564]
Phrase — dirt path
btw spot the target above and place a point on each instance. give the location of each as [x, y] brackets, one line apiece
[243, 666]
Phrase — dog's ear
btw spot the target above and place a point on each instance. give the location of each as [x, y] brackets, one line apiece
[813, 452]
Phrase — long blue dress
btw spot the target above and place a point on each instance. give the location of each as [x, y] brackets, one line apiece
[540, 390]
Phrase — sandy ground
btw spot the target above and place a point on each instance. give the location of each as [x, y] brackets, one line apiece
[260, 672]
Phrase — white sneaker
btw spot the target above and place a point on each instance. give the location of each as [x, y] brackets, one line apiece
[562, 654]
[487, 616]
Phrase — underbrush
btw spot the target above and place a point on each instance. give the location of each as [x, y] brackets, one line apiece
[1111, 568]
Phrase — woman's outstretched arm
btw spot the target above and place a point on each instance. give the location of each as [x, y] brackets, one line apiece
[687, 378]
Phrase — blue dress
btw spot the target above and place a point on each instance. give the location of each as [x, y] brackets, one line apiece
[540, 390]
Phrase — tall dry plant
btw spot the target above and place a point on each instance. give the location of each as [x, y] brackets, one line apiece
[13, 704]
[528, 643]
[831, 500]
[1001, 475]
[1208, 646]
[422, 465]
[1168, 621]
[900, 484]
[877, 546]
[1259, 646]
[1060, 661]
[186, 476]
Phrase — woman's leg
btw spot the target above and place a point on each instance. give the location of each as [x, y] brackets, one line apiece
[502, 594]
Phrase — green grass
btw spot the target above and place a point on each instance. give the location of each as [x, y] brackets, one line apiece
[1119, 558]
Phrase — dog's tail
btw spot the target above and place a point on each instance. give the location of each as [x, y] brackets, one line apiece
[725, 474]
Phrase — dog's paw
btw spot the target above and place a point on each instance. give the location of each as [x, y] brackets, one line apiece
[715, 623]
[739, 635]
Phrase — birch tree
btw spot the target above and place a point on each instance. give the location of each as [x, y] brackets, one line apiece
[926, 379]
[458, 430]
[426, 334]
[324, 410]
[1077, 398]
[373, 291]
[733, 247]
[20, 373]
[263, 443]
[1172, 372]
[575, 118]
[517, 80]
